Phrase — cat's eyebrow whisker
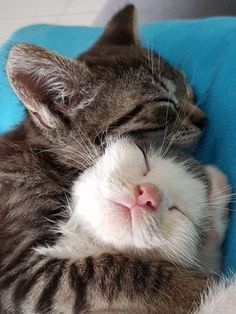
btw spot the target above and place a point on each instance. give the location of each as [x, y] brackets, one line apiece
[176, 130]
[64, 156]
[85, 158]
[89, 158]
[85, 137]
[80, 155]
[86, 154]
[181, 112]
[177, 124]
[89, 150]
[102, 134]
[162, 148]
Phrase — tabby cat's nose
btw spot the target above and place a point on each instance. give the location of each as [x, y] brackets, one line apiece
[196, 115]
[200, 122]
[149, 197]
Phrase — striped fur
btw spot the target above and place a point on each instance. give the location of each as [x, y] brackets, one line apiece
[73, 107]
[31, 200]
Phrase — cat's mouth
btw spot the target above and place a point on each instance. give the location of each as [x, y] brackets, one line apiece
[130, 216]
[125, 212]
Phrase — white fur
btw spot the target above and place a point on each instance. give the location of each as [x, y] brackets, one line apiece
[96, 225]
[218, 217]
[221, 299]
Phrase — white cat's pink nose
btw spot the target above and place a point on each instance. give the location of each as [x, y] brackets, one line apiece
[149, 197]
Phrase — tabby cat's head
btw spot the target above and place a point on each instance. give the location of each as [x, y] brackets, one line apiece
[117, 87]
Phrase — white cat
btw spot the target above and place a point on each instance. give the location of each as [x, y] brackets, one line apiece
[151, 205]
[146, 204]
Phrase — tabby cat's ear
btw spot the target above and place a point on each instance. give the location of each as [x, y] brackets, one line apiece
[121, 29]
[44, 81]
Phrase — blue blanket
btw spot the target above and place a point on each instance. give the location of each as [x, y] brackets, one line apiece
[204, 49]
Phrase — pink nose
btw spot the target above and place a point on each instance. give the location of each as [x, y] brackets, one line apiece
[149, 197]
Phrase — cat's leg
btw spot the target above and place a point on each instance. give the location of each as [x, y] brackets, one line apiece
[109, 282]
[218, 213]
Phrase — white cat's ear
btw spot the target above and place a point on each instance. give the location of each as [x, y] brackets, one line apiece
[218, 213]
[121, 29]
[220, 189]
[45, 82]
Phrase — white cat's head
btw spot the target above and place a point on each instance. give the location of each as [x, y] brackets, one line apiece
[140, 201]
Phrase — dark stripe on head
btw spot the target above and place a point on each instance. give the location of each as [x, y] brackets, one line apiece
[130, 115]
[99, 139]
[24, 285]
[80, 288]
[126, 118]
[45, 302]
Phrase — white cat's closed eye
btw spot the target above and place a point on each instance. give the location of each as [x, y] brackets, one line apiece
[145, 159]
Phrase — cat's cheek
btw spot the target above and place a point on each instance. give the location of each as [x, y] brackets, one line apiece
[114, 228]
[181, 239]
[105, 224]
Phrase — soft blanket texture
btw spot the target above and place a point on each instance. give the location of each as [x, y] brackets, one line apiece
[204, 49]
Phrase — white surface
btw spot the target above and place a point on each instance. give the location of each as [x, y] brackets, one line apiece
[18, 13]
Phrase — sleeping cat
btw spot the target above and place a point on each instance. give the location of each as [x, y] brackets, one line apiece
[146, 205]
[73, 108]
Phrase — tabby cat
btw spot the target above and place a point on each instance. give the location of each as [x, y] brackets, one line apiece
[73, 108]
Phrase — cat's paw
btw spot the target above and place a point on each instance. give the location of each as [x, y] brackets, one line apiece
[218, 213]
